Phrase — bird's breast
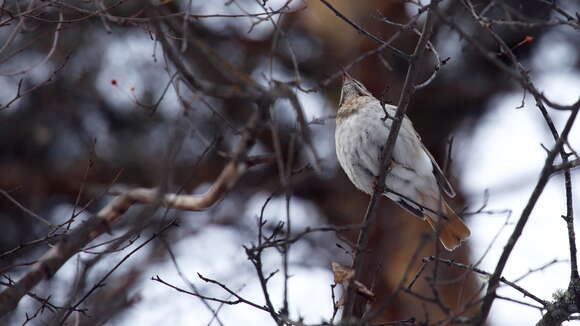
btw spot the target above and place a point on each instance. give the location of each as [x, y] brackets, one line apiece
[359, 141]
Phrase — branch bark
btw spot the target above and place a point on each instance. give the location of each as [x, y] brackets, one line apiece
[544, 178]
[354, 305]
[102, 222]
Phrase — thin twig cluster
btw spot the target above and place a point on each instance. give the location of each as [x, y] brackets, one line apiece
[173, 35]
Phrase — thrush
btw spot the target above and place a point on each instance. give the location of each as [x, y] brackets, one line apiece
[414, 179]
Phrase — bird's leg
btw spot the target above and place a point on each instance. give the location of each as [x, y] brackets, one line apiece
[387, 115]
[383, 100]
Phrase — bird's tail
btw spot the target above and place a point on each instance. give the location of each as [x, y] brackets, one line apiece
[452, 231]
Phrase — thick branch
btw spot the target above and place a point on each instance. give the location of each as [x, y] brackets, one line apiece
[102, 222]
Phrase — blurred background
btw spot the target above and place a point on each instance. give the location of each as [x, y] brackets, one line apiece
[89, 99]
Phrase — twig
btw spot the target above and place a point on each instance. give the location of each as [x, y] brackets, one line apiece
[25, 210]
[229, 302]
[102, 222]
[544, 177]
[472, 268]
[101, 282]
[365, 32]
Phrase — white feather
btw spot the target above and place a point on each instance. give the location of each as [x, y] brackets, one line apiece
[360, 138]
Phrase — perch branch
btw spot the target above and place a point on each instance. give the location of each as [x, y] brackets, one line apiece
[354, 305]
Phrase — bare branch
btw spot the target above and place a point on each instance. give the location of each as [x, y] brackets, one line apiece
[102, 222]
[541, 184]
[354, 306]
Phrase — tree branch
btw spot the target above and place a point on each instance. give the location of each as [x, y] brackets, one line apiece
[52, 260]
[354, 305]
[544, 178]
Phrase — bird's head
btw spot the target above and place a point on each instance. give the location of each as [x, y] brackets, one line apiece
[351, 88]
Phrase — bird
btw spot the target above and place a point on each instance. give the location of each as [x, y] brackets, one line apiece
[414, 180]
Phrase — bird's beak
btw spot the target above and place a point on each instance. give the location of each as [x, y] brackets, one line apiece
[346, 77]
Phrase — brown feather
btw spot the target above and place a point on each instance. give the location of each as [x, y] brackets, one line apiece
[452, 231]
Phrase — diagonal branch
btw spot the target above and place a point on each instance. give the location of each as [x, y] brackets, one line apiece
[354, 305]
[53, 259]
[365, 32]
[544, 178]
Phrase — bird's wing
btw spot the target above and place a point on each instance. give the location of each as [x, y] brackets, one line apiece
[408, 152]
[439, 175]
[414, 137]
